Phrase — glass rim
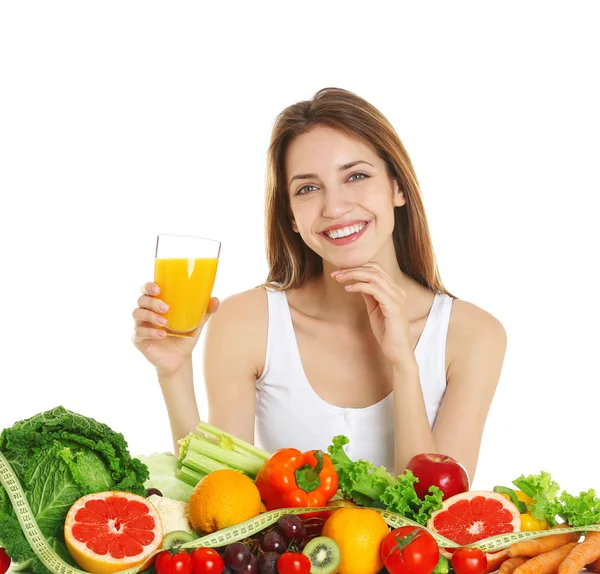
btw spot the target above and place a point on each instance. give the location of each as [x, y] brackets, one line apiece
[159, 235]
[214, 242]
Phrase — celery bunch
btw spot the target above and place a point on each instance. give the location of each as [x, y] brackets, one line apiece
[209, 448]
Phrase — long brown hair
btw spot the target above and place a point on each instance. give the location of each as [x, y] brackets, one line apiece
[291, 262]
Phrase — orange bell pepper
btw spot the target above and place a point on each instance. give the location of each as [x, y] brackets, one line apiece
[292, 479]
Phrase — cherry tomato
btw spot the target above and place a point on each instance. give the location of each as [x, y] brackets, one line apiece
[178, 563]
[4, 561]
[469, 561]
[409, 550]
[293, 563]
[207, 561]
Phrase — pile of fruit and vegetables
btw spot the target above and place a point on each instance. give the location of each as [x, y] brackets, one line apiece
[224, 506]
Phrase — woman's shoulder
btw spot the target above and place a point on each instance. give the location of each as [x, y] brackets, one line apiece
[471, 326]
[248, 307]
[241, 324]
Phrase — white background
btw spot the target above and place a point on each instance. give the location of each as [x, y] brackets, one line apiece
[121, 120]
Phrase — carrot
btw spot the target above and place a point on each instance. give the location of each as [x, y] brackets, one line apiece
[586, 552]
[546, 563]
[510, 565]
[543, 544]
[594, 566]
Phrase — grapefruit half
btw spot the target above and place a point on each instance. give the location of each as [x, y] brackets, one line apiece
[471, 516]
[110, 531]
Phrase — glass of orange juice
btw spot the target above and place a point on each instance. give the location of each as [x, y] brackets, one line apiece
[185, 269]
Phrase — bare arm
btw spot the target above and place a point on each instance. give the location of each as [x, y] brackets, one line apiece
[476, 345]
[180, 399]
[234, 353]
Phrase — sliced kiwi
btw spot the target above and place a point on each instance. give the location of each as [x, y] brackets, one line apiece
[177, 538]
[324, 555]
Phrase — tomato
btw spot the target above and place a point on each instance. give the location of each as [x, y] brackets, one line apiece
[469, 561]
[409, 550]
[4, 561]
[207, 561]
[178, 563]
[293, 563]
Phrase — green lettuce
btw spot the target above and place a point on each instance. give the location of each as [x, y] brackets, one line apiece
[544, 492]
[58, 457]
[581, 510]
[163, 476]
[368, 485]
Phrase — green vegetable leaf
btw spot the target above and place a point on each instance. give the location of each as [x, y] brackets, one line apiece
[368, 485]
[543, 490]
[58, 457]
[163, 475]
[581, 510]
[402, 498]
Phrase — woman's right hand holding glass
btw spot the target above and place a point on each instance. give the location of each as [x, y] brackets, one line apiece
[166, 354]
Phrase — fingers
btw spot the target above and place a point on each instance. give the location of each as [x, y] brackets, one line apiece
[153, 304]
[371, 273]
[213, 305]
[145, 333]
[146, 316]
[385, 300]
[150, 289]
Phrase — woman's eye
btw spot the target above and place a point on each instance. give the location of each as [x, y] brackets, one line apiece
[303, 189]
[306, 188]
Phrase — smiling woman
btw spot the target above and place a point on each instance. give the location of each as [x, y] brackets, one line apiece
[353, 332]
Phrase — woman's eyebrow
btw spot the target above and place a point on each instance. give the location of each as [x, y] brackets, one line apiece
[341, 168]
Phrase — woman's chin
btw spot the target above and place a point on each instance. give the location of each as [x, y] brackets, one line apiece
[348, 261]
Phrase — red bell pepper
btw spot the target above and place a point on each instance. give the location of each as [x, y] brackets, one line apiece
[292, 479]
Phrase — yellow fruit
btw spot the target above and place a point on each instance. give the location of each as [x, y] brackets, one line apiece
[221, 499]
[523, 497]
[359, 533]
[107, 532]
[529, 523]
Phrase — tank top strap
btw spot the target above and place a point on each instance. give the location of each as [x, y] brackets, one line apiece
[281, 340]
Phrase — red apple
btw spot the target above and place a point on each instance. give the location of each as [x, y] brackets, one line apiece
[438, 470]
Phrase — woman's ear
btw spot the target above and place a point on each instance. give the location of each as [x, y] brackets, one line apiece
[294, 226]
[399, 197]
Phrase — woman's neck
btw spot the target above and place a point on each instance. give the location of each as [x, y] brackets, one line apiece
[326, 298]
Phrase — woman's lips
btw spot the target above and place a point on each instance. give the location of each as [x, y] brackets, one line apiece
[341, 241]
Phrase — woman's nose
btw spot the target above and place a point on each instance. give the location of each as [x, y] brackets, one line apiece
[335, 203]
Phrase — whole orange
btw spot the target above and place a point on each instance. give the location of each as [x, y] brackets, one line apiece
[221, 499]
[359, 533]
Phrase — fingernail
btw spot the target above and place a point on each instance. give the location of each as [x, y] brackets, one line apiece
[162, 320]
[335, 273]
[161, 333]
[155, 289]
[164, 307]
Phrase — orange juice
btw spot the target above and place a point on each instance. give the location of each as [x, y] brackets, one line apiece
[186, 286]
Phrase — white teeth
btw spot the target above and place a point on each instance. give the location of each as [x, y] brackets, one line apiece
[344, 232]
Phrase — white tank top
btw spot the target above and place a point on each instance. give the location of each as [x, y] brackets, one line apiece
[289, 413]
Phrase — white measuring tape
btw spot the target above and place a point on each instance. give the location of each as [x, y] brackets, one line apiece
[56, 565]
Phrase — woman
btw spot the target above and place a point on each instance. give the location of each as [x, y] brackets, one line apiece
[354, 332]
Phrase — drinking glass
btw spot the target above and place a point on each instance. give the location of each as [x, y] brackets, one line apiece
[185, 268]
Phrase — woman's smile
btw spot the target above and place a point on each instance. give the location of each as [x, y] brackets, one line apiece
[345, 233]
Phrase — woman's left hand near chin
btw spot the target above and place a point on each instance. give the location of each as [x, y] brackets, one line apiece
[386, 305]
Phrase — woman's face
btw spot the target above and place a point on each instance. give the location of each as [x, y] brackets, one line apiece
[341, 196]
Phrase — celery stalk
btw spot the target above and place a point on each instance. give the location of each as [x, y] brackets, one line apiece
[238, 461]
[238, 443]
[188, 475]
[203, 464]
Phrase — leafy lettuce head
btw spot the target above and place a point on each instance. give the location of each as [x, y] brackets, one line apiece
[58, 457]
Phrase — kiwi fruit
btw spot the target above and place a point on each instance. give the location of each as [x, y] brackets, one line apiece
[177, 538]
[324, 555]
